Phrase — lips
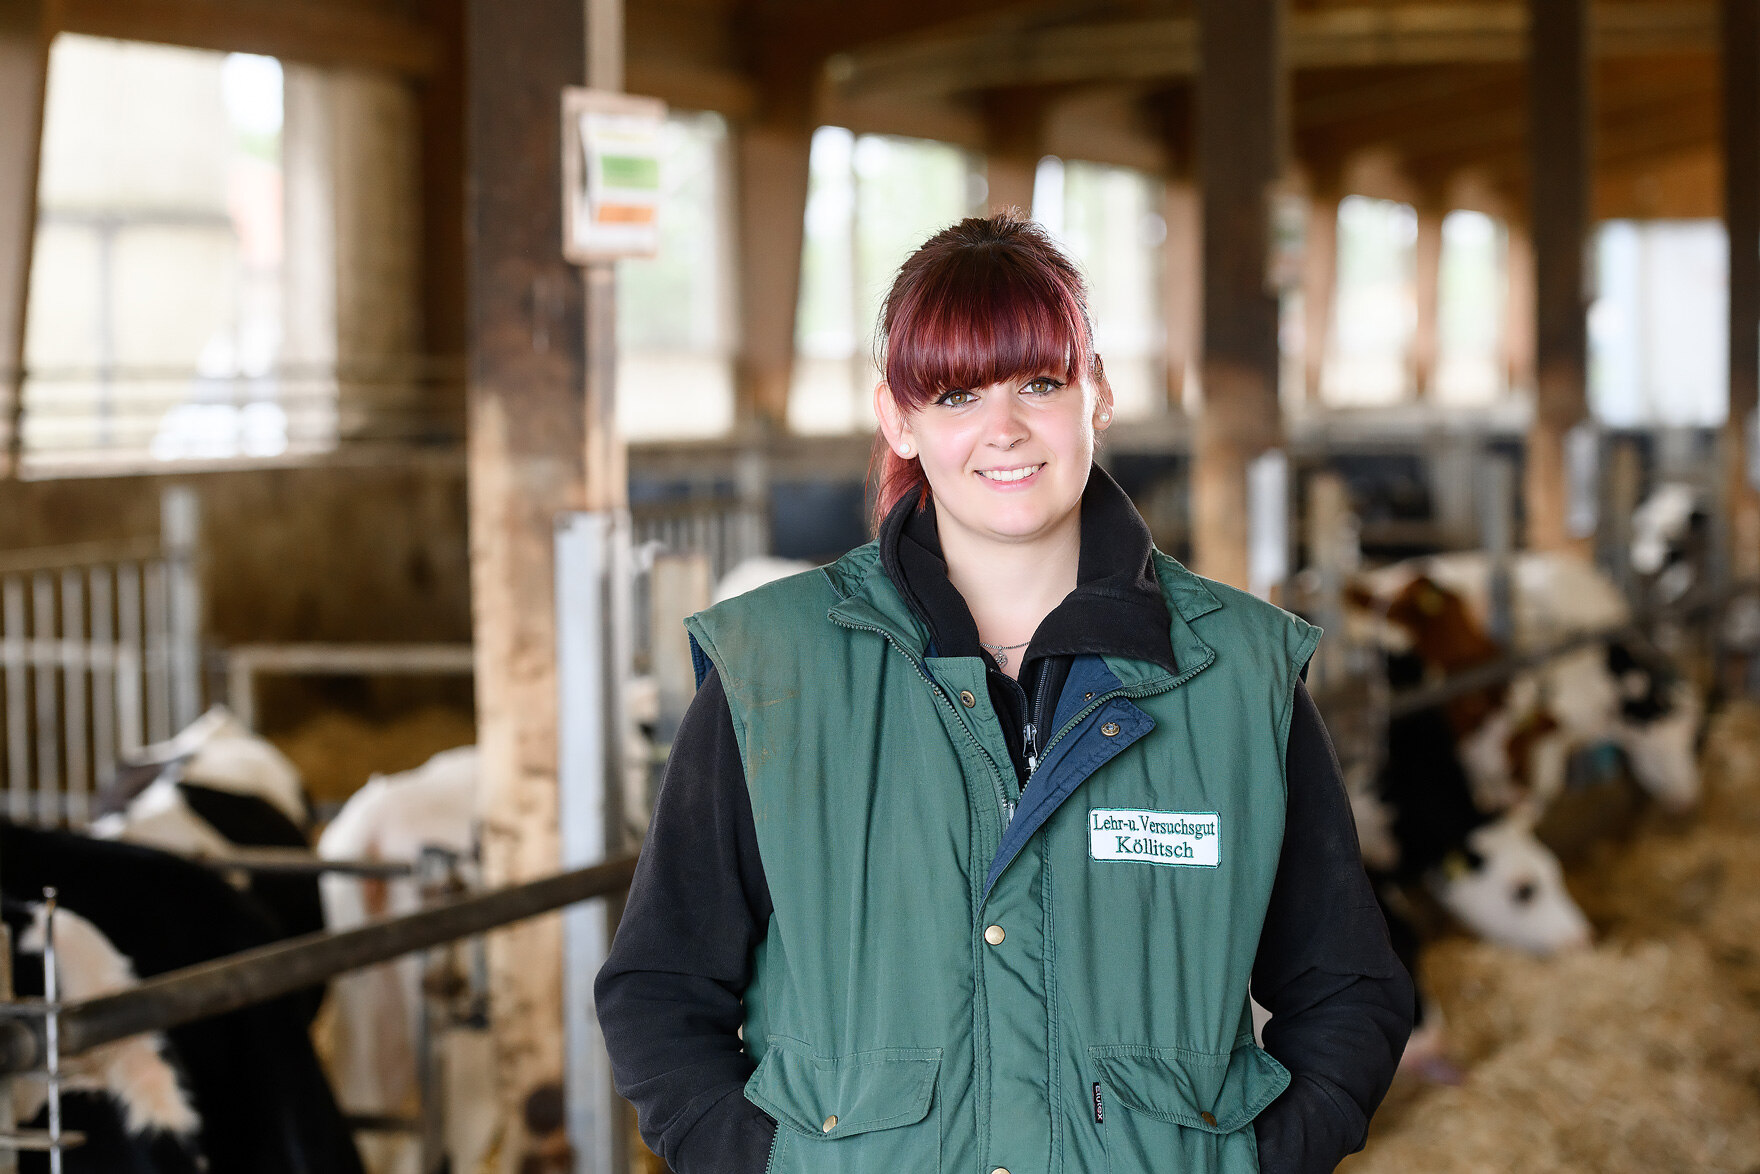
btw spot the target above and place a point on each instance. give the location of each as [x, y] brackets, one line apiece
[1009, 476]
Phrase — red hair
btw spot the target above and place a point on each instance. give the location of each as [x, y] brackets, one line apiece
[989, 299]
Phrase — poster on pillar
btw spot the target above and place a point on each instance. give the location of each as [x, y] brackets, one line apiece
[611, 147]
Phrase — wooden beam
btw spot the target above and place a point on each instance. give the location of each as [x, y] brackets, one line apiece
[770, 175]
[1559, 171]
[1741, 213]
[298, 30]
[1427, 280]
[1241, 95]
[1331, 38]
[24, 70]
[443, 253]
[1322, 99]
[525, 448]
[1014, 124]
[1182, 288]
[1319, 291]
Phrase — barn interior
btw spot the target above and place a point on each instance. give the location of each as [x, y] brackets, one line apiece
[320, 400]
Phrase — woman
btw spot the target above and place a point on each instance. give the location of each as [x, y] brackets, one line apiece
[972, 842]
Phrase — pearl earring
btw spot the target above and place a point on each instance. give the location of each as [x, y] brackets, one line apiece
[905, 450]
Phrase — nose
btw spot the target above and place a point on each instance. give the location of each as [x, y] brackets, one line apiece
[1005, 422]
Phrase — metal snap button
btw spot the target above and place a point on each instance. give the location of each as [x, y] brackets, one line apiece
[1087, 697]
[966, 698]
[831, 1123]
[1110, 729]
[994, 935]
[999, 1170]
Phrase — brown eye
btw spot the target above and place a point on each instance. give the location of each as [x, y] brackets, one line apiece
[957, 398]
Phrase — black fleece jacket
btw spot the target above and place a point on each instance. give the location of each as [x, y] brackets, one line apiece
[669, 995]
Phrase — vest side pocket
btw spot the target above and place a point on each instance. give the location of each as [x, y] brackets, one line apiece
[850, 1114]
[1178, 1109]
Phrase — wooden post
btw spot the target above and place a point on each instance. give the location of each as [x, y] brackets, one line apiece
[1518, 307]
[1240, 134]
[1013, 122]
[1182, 288]
[374, 139]
[1319, 289]
[1741, 196]
[24, 72]
[442, 251]
[525, 449]
[1558, 94]
[1427, 280]
[770, 158]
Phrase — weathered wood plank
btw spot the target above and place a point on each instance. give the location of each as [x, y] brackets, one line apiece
[24, 67]
[1369, 35]
[1240, 114]
[526, 452]
[317, 34]
[1741, 213]
[1559, 177]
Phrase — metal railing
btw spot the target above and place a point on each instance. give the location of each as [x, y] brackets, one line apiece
[268, 972]
[98, 656]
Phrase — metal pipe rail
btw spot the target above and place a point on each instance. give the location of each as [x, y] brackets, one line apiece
[1409, 701]
[296, 862]
[267, 972]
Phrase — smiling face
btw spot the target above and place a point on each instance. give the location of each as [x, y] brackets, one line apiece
[1006, 462]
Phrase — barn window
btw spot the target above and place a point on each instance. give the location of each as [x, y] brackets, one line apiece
[1659, 328]
[1375, 309]
[1110, 220]
[155, 321]
[871, 200]
[1470, 366]
[226, 263]
[675, 327]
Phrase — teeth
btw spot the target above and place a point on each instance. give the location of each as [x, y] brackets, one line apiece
[1011, 474]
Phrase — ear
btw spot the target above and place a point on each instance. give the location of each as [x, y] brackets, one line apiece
[895, 423]
[1103, 410]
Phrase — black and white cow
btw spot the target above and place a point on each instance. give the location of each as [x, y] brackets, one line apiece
[257, 1099]
[127, 1099]
[1671, 538]
[213, 788]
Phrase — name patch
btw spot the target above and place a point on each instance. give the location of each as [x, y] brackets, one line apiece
[1188, 838]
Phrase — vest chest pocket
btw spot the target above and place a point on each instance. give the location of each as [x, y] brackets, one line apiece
[1173, 1109]
[864, 1111]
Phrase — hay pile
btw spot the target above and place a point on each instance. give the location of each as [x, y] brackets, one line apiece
[1640, 1055]
[336, 751]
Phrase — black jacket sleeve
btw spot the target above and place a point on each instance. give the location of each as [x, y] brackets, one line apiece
[669, 994]
[1340, 1001]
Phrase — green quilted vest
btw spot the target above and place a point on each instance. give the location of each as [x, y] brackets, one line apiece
[960, 978]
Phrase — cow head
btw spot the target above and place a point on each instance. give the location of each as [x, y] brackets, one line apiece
[1657, 726]
[1505, 886]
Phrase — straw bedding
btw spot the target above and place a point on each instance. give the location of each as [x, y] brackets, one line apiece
[1642, 1054]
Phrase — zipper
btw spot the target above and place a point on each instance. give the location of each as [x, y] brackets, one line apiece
[1003, 803]
[1036, 717]
[1100, 699]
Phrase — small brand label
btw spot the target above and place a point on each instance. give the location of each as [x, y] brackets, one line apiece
[1187, 838]
[1099, 1109]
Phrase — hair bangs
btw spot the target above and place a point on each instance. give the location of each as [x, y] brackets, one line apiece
[984, 320]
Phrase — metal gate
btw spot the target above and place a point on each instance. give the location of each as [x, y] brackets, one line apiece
[99, 654]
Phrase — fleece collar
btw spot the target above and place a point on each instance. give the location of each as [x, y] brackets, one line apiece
[1117, 609]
